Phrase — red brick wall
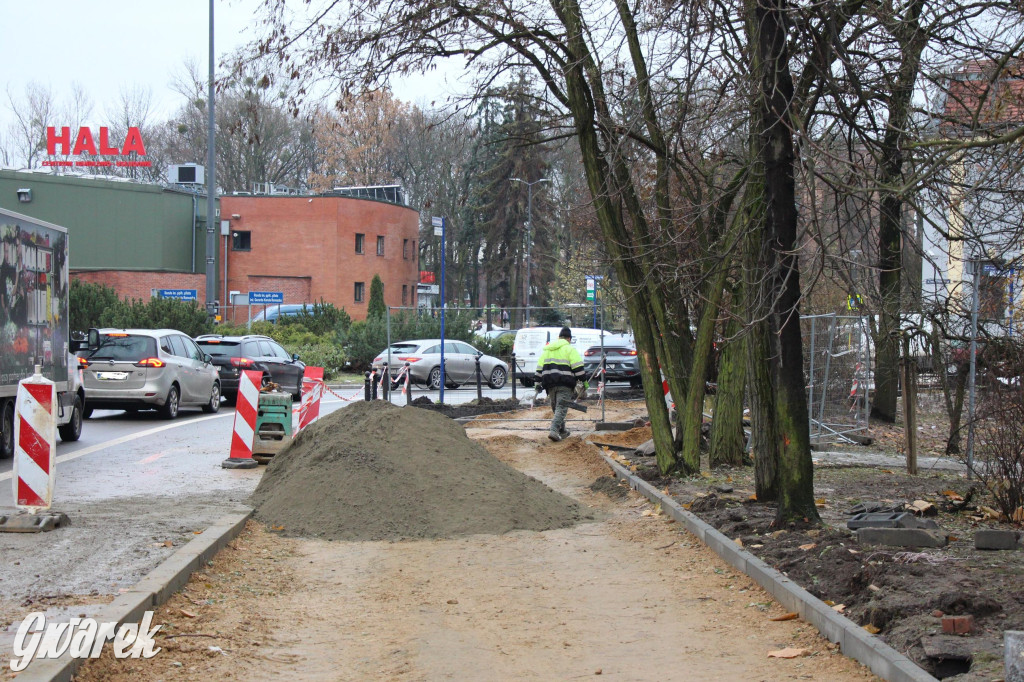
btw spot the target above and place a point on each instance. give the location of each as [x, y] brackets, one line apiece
[135, 284]
[310, 242]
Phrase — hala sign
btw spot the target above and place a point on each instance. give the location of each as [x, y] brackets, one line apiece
[85, 143]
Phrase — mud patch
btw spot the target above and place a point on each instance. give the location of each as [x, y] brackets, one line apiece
[374, 471]
[610, 486]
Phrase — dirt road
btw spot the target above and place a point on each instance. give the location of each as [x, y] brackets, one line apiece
[628, 596]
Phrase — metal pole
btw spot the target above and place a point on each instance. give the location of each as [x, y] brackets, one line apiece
[971, 375]
[529, 228]
[604, 389]
[444, 222]
[211, 186]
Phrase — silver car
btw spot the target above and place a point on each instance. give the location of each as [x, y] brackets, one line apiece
[424, 358]
[148, 369]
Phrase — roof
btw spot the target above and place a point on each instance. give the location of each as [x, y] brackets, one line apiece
[983, 95]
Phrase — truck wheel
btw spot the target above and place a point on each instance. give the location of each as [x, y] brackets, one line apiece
[7, 431]
[169, 410]
[72, 431]
[86, 413]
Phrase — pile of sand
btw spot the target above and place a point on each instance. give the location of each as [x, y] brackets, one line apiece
[374, 471]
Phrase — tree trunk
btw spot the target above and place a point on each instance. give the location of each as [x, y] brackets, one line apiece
[727, 442]
[772, 119]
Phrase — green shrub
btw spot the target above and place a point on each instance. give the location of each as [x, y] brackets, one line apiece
[158, 313]
[87, 303]
[320, 318]
[366, 338]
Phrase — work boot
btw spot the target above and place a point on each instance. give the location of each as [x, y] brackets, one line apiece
[554, 436]
[564, 433]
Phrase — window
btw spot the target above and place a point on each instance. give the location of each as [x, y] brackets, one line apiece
[380, 246]
[241, 240]
[178, 348]
[405, 249]
[360, 238]
[360, 291]
[191, 349]
[405, 293]
[265, 349]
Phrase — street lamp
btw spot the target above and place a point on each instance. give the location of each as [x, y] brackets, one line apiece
[529, 228]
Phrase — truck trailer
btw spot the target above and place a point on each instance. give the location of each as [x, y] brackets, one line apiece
[34, 330]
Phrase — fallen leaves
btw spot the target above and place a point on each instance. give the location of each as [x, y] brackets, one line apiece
[872, 629]
[786, 616]
[788, 652]
[809, 546]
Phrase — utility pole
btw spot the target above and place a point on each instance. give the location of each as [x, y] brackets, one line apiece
[529, 229]
[211, 188]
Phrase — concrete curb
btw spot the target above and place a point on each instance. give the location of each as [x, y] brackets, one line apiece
[154, 589]
[853, 640]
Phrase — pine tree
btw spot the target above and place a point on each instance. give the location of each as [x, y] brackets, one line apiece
[376, 308]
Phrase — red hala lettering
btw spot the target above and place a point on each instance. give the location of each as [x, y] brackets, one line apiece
[133, 142]
[84, 142]
[52, 139]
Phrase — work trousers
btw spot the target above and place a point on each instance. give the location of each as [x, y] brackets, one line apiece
[559, 397]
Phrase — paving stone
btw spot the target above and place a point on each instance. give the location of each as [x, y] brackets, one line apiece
[996, 539]
[902, 537]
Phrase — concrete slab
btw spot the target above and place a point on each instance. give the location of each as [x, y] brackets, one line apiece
[902, 537]
[996, 539]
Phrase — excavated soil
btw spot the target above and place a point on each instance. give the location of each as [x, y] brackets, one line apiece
[374, 471]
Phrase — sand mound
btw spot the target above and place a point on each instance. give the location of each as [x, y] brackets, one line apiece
[630, 438]
[373, 471]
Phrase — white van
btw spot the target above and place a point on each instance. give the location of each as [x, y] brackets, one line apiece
[530, 341]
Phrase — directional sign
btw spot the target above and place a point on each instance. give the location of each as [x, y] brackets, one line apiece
[180, 294]
[265, 297]
[590, 288]
[438, 225]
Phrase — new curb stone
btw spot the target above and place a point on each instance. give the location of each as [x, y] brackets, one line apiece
[853, 640]
[153, 590]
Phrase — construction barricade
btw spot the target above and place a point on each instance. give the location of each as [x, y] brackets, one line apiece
[244, 431]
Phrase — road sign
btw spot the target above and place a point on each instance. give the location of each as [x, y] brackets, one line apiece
[590, 288]
[438, 225]
[265, 297]
[180, 294]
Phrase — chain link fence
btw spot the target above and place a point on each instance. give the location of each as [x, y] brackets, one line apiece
[837, 365]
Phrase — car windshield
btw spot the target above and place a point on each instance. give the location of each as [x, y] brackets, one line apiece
[125, 347]
[218, 347]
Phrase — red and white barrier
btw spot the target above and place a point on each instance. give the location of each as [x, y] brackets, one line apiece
[35, 443]
[245, 415]
[312, 391]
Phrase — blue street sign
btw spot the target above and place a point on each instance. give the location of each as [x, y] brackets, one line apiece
[180, 294]
[265, 297]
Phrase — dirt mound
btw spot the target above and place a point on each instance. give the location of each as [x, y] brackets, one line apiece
[373, 471]
[631, 438]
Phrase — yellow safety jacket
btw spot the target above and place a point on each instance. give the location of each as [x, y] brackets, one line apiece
[559, 364]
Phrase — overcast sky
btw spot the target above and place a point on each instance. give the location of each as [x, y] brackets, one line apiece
[108, 45]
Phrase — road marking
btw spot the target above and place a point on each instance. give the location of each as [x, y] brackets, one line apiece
[125, 439]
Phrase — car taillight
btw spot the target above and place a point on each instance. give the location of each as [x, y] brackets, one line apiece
[83, 363]
[242, 362]
[150, 362]
[591, 351]
[629, 352]
[411, 358]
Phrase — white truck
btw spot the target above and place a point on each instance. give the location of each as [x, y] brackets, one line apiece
[34, 290]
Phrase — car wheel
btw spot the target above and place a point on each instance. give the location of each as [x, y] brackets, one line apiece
[214, 404]
[169, 410]
[298, 391]
[7, 445]
[72, 431]
[434, 379]
[635, 383]
[497, 378]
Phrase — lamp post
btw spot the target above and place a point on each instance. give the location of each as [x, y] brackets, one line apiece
[529, 228]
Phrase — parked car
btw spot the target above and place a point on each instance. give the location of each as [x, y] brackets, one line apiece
[233, 354]
[272, 312]
[424, 358]
[621, 363]
[148, 369]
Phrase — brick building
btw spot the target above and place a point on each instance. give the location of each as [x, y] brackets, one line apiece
[325, 246]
